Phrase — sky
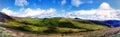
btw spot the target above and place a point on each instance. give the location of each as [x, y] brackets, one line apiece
[84, 9]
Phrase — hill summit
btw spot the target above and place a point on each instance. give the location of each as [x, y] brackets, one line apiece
[4, 17]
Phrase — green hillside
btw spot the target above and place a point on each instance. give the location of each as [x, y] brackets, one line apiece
[53, 25]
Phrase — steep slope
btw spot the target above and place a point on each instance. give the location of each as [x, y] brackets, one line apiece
[4, 17]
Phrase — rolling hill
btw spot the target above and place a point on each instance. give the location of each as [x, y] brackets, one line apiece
[53, 25]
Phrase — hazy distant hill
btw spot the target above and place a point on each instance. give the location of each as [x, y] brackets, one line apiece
[113, 23]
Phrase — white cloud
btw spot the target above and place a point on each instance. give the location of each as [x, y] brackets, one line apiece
[85, 12]
[76, 2]
[104, 5]
[29, 12]
[21, 2]
[104, 12]
[36, 12]
[8, 12]
[63, 2]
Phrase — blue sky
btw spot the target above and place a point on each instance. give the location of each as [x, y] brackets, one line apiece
[86, 9]
[57, 4]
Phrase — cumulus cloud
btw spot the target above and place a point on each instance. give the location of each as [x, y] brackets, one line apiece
[21, 2]
[104, 12]
[76, 2]
[85, 12]
[63, 2]
[104, 5]
[29, 12]
[8, 11]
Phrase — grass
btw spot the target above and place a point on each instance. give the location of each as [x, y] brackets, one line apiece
[58, 25]
[13, 24]
[85, 24]
[32, 28]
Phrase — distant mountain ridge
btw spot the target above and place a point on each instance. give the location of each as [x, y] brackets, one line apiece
[113, 23]
[110, 23]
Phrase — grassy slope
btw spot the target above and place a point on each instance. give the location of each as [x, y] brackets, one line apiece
[53, 25]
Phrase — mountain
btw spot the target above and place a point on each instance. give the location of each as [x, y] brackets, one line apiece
[4, 17]
[113, 23]
[100, 22]
[96, 22]
[109, 23]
